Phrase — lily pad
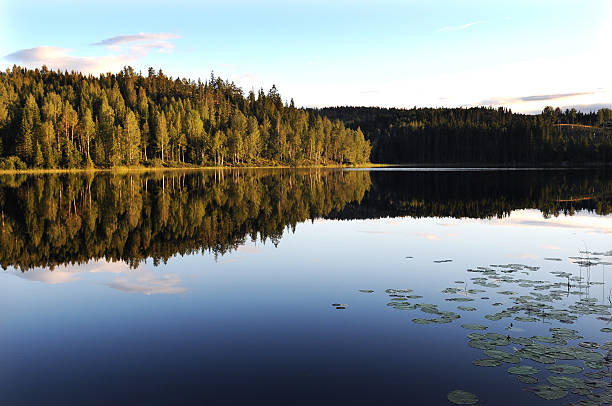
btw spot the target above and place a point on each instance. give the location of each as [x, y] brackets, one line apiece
[461, 397]
[528, 379]
[466, 308]
[366, 291]
[549, 392]
[565, 369]
[523, 370]
[566, 382]
[588, 344]
[474, 326]
[526, 319]
[421, 321]
[606, 330]
[503, 356]
[487, 362]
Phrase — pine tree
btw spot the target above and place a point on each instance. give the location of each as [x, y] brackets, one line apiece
[88, 129]
[161, 134]
[30, 117]
[132, 138]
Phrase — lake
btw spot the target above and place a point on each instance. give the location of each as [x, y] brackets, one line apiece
[301, 287]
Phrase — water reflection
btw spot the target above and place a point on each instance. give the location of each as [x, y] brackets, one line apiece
[52, 220]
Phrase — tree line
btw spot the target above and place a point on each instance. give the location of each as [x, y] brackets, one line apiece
[481, 135]
[53, 119]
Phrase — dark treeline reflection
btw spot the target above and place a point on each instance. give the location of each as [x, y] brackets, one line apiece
[48, 220]
[482, 194]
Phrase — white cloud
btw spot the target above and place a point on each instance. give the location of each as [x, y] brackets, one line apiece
[125, 50]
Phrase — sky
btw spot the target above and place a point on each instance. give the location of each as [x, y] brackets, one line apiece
[523, 55]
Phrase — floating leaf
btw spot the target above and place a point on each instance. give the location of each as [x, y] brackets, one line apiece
[526, 319]
[421, 321]
[550, 340]
[366, 291]
[461, 397]
[466, 308]
[481, 344]
[523, 370]
[520, 340]
[528, 379]
[606, 330]
[594, 364]
[589, 344]
[548, 392]
[565, 369]
[566, 382]
[474, 326]
[503, 356]
[487, 362]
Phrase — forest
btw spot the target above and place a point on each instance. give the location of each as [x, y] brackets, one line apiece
[481, 135]
[54, 219]
[54, 119]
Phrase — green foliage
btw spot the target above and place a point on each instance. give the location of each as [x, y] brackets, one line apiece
[12, 163]
[128, 119]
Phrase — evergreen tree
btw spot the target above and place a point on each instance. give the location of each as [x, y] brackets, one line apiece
[161, 135]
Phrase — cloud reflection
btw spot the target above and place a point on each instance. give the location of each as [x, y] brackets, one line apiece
[148, 282]
[130, 280]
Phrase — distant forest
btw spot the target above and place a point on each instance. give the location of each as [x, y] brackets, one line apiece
[52, 119]
[481, 135]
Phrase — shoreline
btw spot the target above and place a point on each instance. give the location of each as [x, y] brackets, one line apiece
[125, 169]
[467, 166]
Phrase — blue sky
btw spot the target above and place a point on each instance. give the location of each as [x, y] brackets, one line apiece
[520, 54]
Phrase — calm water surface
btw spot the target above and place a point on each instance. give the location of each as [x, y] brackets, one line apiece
[217, 287]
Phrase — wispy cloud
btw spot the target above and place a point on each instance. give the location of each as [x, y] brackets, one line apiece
[141, 43]
[538, 97]
[459, 27]
[124, 50]
[140, 37]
